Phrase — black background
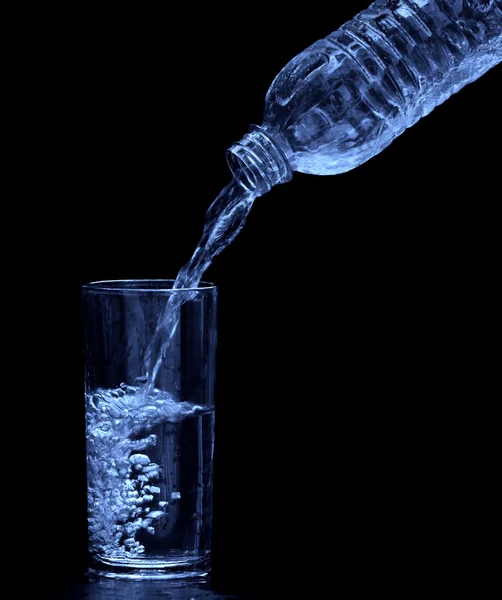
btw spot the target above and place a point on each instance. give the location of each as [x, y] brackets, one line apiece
[354, 311]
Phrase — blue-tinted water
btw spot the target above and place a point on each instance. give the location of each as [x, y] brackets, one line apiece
[149, 478]
[224, 219]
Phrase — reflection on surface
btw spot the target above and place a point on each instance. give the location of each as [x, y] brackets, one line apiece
[106, 589]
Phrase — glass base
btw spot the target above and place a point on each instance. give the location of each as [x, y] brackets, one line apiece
[176, 566]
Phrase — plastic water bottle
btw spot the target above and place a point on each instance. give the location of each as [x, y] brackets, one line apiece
[348, 96]
[337, 104]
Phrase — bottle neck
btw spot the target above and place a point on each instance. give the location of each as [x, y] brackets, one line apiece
[261, 159]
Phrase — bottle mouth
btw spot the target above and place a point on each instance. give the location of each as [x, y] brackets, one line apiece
[238, 161]
[260, 160]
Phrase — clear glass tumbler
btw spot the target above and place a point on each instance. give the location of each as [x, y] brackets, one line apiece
[149, 449]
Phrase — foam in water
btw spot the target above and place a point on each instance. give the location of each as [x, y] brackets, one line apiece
[125, 484]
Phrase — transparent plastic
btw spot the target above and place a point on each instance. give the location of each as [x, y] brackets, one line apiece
[348, 96]
[340, 102]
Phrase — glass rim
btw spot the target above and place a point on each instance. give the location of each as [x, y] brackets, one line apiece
[154, 286]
